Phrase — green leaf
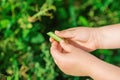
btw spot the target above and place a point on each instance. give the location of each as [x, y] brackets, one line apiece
[83, 21]
[9, 78]
[38, 38]
[4, 23]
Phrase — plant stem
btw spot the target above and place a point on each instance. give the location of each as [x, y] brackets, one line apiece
[72, 13]
[40, 13]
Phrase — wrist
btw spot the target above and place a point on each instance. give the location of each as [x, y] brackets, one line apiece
[96, 67]
[101, 70]
[89, 65]
[96, 34]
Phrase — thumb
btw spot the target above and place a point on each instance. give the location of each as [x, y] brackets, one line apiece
[66, 46]
[65, 34]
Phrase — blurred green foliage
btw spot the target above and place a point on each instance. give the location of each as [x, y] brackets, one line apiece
[24, 45]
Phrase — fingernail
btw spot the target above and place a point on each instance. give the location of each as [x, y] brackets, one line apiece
[56, 31]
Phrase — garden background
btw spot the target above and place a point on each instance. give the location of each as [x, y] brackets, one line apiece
[24, 45]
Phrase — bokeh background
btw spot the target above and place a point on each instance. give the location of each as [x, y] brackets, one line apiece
[24, 45]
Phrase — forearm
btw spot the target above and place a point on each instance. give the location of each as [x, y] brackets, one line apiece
[104, 71]
[108, 37]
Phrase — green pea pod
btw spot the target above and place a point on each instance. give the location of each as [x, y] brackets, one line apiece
[54, 36]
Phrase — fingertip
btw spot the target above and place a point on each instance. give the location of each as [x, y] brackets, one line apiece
[51, 40]
[54, 43]
[63, 42]
[56, 31]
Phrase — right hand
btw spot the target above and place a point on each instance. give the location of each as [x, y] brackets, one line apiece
[82, 37]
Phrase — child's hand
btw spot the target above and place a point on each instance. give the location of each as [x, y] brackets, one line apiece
[71, 60]
[76, 62]
[89, 39]
[83, 36]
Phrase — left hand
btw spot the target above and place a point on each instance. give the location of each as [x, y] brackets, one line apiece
[70, 59]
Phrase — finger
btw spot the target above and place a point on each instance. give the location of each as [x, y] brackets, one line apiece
[55, 52]
[71, 29]
[51, 40]
[80, 45]
[65, 33]
[58, 46]
[66, 46]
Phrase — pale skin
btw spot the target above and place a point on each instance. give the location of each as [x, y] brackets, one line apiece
[72, 54]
